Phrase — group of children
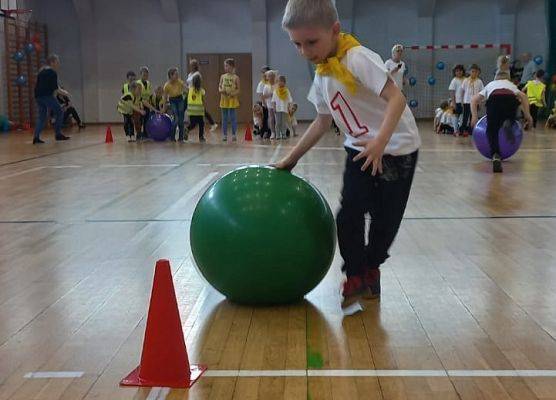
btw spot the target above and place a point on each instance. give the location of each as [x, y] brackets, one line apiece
[274, 113]
[453, 116]
[178, 98]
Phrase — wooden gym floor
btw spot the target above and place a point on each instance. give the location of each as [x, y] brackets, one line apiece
[469, 297]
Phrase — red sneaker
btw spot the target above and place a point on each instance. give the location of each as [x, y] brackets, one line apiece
[352, 291]
[372, 283]
[465, 134]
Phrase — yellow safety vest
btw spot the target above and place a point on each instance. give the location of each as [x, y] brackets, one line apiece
[125, 107]
[146, 90]
[125, 89]
[534, 92]
[195, 102]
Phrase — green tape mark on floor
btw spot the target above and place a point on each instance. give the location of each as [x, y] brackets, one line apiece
[314, 359]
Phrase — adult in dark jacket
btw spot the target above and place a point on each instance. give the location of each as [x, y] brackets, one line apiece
[46, 90]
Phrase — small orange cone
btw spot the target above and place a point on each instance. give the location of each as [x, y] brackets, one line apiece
[109, 138]
[248, 133]
[164, 362]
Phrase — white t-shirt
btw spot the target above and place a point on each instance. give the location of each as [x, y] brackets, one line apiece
[391, 65]
[455, 85]
[189, 80]
[497, 85]
[361, 114]
[438, 114]
[260, 87]
[449, 118]
[268, 90]
[470, 88]
[281, 105]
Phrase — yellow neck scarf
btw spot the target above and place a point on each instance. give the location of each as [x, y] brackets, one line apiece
[282, 93]
[333, 66]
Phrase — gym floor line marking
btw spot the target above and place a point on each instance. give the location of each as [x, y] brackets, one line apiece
[378, 373]
[38, 169]
[158, 393]
[53, 374]
[274, 157]
[138, 165]
[189, 219]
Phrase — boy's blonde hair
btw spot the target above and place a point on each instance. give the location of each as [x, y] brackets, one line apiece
[318, 13]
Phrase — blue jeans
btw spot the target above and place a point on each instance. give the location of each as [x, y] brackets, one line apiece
[44, 103]
[229, 115]
[178, 109]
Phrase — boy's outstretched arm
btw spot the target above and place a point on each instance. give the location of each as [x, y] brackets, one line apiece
[316, 130]
[374, 148]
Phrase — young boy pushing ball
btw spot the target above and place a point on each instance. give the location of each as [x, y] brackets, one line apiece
[353, 87]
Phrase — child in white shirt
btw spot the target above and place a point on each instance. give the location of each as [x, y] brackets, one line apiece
[353, 87]
[281, 100]
[469, 88]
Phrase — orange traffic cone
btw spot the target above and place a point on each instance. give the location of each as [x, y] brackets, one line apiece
[248, 133]
[109, 138]
[164, 362]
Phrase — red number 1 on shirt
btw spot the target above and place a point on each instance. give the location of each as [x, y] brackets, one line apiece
[340, 104]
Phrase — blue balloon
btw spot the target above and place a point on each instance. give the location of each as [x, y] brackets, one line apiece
[413, 103]
[440, 65]
[29, 48]
[19, 56]
[431, 80]
[412, 81]
[538, 60]
[21, 80]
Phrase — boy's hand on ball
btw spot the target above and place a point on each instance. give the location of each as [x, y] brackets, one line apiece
[372, 152]
[285, 163]
[474, 121]
[529, 121]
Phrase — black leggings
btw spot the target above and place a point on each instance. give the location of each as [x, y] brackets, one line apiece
[71, 112]
[384, 197]
[128, 125]
[195, 120]
[209, 118]
[466, 118]
[534, 114]
[500, 108]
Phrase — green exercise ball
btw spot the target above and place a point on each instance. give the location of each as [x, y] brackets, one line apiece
[263, 236]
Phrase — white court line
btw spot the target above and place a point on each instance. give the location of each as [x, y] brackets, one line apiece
[38, 169]
[20, 173]
[379, 373]
[274, 157]
[182, 202]
[53, 374]
[158, 393]
[138, 165]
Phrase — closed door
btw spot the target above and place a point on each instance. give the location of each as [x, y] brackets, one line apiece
[212, 67]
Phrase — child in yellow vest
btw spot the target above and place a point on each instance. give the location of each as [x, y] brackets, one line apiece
[158, 100]
[353, 87]
[229, 98]
[535, 91]
[130, 77]
[146, 94]
[196, 107]
[130, 106]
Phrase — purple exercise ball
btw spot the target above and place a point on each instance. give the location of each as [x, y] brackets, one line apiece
[508, 147]
[159, 127]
